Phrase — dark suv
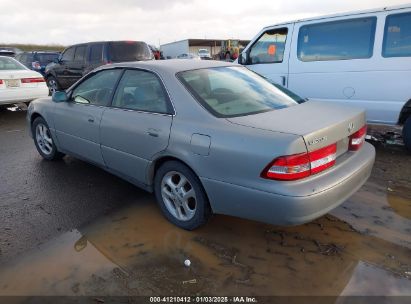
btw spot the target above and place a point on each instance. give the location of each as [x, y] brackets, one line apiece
[37, 60]
[77, 60]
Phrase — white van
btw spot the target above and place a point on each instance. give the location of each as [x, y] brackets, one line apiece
[359, 59]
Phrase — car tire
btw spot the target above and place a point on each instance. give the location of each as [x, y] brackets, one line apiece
[44, 141]
[406, 133]
[188, 211]
[52, 84]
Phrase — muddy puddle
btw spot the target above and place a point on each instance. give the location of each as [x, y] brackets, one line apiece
[384, 212]
[135, 251]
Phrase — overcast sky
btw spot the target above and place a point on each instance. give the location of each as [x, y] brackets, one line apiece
[156, 21]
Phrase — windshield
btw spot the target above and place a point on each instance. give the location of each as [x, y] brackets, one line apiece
[7, 64]
[234, 91]
[122, 51]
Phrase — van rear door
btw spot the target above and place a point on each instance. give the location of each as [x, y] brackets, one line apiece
[268, 54]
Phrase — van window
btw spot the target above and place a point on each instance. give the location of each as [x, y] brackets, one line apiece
[337, 40]
[269, 48]
[80, 53]
[68, 54]
[397, 36]
[122, 51]
[96, 53]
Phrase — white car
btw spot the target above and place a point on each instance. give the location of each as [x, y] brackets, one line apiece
[204, 54]
[188, 56]
[18, 83]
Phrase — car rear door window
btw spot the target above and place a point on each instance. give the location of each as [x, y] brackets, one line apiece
[97, 89]
[142, 91]
[337, 40]
[269, 48]
[80, 53]
[68, 54]
[397, 36]
[96, 53]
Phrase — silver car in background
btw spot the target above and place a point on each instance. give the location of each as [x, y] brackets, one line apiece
[208, 137]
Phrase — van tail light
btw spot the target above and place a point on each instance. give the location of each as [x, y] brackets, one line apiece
[36, 65]
[32, 80]
[298, 166]
[357, 139]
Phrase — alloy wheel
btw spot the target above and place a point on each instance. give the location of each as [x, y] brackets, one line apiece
[179, 196]
[43, 138]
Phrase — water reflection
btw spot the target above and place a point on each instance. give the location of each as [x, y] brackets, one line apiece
[134, 251]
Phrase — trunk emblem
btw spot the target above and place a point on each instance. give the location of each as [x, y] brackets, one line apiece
[317, 140]
[350, 127]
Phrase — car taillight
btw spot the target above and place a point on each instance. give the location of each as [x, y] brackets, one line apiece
[1, 81]
[32, 80]
[298, 166]
[36, 65]
[357, 139]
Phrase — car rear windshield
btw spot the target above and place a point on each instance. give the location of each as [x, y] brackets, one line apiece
[46, 58]
[234, 91]
[122, 51]
[7, 64]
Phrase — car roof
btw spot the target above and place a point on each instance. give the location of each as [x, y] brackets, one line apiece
[45, 52]
[106, 41]
[344, 14]
[172, 65]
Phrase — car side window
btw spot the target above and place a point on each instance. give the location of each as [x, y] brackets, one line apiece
[80, 53]
[96, 53]
[68, 54]
[337, 40]
[97, 89]
[397, 36]
[269, 48]
[142, 91]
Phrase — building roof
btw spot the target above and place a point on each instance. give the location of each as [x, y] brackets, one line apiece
[207, 42]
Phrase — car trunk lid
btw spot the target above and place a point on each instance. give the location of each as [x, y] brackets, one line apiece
[319, 123]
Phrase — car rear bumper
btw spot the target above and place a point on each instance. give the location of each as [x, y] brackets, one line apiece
[278, 209]
[10, 96]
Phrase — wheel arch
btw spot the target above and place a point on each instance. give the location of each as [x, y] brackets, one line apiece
[405, 112]
[156, 164]
[32, 118]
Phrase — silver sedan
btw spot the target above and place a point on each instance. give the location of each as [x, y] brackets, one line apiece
[208, 137]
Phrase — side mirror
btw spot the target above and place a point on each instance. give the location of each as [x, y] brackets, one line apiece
[60, 96]
[242, 58]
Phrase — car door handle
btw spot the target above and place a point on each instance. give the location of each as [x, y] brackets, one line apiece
[153, 132]
[90, 119]
[283, 80]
